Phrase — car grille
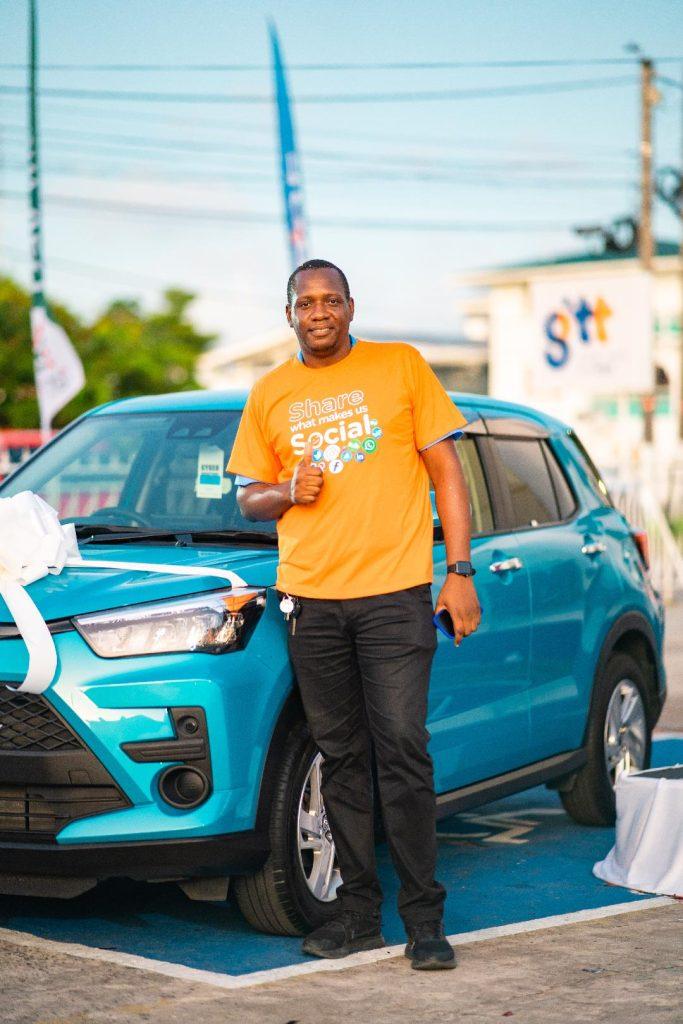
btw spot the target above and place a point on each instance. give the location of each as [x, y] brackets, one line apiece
[44, 810]
[27, 722]
[48, 775]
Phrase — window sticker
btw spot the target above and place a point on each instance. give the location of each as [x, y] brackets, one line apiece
[209, 482]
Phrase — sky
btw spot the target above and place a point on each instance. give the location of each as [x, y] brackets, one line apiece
[403, 191]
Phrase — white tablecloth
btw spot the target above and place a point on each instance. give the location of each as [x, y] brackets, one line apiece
[648, 851]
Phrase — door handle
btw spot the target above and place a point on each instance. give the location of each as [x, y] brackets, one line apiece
[596, 548]
[507, 563]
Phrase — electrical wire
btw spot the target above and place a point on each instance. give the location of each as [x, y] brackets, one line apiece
[379, 97]
[258, 217]
[436, 65]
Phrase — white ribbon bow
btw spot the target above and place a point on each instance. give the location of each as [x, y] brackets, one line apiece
[33, 543]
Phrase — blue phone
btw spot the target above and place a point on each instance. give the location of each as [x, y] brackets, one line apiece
[444, 623]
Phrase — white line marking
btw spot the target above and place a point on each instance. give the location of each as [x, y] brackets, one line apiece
[667, 735]
[194, 974]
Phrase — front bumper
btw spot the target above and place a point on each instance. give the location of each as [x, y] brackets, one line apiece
[212, 856]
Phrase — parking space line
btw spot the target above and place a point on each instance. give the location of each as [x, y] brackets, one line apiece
[227, 981]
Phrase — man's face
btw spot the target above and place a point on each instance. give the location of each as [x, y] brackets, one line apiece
[320, 313]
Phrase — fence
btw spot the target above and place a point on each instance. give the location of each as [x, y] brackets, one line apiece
[641, 507]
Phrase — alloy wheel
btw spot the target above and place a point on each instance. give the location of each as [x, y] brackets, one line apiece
[315, 845]
[625, 739]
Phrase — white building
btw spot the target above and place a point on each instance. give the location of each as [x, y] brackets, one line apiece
[604, 401]
[460, 364]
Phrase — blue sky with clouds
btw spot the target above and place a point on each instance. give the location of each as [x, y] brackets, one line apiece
[143, 194]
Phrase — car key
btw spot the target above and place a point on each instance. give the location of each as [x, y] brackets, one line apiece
[296, 612]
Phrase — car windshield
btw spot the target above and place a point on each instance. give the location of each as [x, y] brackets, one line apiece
[143, 471]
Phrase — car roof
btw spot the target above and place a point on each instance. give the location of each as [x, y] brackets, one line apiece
[189, 401]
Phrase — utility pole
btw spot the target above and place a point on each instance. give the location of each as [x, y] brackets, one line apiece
[648, 97]
[680, 312]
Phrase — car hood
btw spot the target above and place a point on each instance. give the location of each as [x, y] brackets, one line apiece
[76, 591]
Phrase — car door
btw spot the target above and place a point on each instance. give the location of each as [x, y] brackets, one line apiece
[554, 538]
[479, 703]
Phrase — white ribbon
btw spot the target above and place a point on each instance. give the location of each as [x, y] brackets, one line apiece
[33, 544]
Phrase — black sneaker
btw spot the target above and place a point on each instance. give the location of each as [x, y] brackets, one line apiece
[428, 948]
[349, 933]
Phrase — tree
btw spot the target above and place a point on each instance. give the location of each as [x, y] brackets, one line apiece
[125, 352]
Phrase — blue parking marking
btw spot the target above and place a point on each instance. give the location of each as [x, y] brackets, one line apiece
[514, 860]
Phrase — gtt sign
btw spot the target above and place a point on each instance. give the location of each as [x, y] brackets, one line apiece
[577, 322]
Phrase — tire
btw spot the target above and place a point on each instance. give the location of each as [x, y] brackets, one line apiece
[620, 699]
[279, 898]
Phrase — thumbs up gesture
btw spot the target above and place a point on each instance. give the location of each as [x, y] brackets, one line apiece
[307, 481]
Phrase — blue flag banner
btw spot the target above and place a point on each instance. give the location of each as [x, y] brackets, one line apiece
[290, 167]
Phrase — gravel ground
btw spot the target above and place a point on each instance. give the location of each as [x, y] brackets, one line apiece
[625, 968]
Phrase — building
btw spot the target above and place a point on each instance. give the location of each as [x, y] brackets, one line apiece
[459, 363]
[607, 408]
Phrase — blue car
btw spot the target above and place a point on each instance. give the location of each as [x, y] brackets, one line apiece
[171, 743]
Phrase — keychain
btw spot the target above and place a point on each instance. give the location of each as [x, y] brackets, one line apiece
[290, 608]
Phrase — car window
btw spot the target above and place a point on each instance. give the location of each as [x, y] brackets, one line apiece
[163, 470]
[566, 501]
[480, 501]
[592, 470]
[529, 483]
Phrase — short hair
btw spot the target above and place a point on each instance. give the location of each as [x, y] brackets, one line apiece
[315, 265]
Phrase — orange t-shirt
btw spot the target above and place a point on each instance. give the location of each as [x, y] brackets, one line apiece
[370, 531]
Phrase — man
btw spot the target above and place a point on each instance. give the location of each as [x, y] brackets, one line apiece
[338, 445]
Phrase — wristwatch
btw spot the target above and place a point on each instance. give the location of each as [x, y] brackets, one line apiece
[461, 568]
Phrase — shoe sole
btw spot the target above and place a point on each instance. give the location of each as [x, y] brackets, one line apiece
[373, 942]
[433, 965]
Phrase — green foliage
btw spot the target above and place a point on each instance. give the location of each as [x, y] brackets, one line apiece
[125, 352]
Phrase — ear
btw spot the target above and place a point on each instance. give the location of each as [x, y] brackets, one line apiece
[352, 307]
[288, 314]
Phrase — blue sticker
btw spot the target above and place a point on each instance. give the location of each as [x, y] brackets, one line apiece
[377, 432]
[360, 456]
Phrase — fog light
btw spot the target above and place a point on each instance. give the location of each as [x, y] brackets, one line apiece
[184, 787]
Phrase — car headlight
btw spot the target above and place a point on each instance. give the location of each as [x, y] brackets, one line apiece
[213, 623]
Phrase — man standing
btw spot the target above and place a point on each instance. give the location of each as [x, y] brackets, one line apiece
[338, 445]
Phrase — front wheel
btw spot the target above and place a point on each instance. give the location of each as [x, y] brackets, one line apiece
[295, 890]
[619, 740]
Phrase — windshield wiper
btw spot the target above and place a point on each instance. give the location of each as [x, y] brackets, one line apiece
[110, 534]
[88, 534]
[238, 536]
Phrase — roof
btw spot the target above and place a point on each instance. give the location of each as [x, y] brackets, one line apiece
[190, 401]
[513, 273]
[663, 249]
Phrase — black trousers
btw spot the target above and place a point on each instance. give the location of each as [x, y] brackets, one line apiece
[363, 667]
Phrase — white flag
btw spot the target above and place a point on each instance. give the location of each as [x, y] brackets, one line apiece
[58, 370]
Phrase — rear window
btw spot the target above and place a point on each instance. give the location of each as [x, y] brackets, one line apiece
[592, 470]
[538, 489]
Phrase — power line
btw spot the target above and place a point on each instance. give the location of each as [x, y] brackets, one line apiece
[257, 217]
[128, 146]
[250, 127]
[665, 80]
[251, 99]
[94, 270]
[359, 176]
[436, 65]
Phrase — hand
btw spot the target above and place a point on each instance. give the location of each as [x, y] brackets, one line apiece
[460, 598]
[307, 481]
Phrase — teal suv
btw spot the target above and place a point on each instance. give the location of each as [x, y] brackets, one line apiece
[171, 743]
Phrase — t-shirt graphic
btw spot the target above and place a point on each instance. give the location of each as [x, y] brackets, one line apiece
[367, 417]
